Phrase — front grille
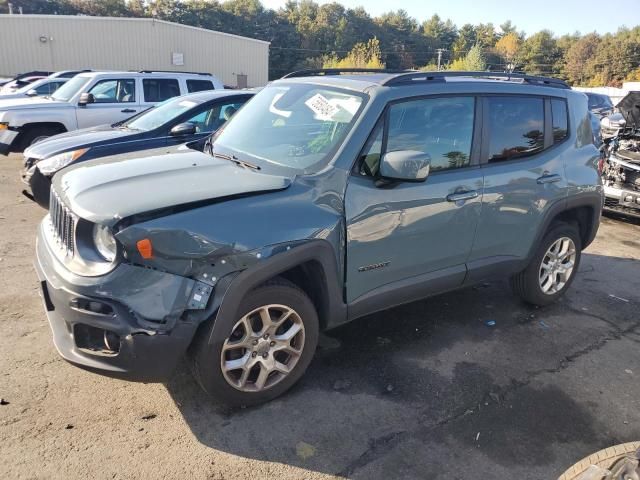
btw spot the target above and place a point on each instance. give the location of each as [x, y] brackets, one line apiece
[63, 224]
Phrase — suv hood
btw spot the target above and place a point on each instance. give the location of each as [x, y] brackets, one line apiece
[629, 107]
[30, 102]
[109, 189]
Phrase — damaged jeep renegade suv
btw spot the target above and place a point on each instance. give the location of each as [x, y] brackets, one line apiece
[329, 196]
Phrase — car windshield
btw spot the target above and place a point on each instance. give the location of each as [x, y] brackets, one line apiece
[599, 101]
[161, 114]
[297, 126]
[69, 89]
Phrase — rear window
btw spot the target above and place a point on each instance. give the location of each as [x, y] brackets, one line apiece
[160, 89]
[516, 127]
[599, 101]
[559, 119]
[199, 85]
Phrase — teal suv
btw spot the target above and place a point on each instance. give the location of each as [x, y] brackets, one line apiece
[330, 195]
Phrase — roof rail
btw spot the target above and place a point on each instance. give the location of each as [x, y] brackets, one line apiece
[174, 71]
[409, 78]
[340, 71]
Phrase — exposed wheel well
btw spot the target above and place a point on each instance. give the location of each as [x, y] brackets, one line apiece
[311, 278]
[583, 217]
[26, 131]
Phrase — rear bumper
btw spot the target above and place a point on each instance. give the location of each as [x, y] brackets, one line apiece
[6, 140]
[140, 313]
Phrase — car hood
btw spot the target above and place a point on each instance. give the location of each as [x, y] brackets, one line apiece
[629, 107]
[30, 102]
[109, 189]
[75, 139]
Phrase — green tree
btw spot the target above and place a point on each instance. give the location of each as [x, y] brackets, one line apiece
[578, 60]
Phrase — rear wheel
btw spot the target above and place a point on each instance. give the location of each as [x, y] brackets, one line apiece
[261, 353]
[552, 267]
[620, 460]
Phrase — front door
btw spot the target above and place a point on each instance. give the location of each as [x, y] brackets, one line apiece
[405, 232]
[114, 100]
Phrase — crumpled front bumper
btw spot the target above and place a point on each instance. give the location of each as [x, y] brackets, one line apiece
[143, 309]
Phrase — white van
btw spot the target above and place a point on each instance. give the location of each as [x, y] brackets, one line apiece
[89, 99]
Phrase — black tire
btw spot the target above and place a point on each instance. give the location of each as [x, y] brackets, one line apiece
[526, 284]
[205, 355]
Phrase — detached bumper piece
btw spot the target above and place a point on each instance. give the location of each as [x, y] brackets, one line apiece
[128, 324]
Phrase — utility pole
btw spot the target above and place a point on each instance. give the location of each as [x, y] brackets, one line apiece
[439, 51]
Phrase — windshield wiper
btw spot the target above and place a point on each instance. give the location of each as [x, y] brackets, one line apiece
[236, 160]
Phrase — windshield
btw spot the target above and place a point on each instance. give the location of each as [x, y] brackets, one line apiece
[296, 126]
[161, 114]
[69, 89]
[599, 101]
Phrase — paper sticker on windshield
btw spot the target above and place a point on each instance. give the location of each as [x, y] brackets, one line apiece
[321, 107]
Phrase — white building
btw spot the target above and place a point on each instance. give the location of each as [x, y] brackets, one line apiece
[62, 42]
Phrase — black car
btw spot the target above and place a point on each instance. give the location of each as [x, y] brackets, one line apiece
[599, 104]
[175, 121]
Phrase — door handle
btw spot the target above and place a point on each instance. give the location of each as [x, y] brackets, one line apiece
[128, 110]
[462, 196]
[553, 178]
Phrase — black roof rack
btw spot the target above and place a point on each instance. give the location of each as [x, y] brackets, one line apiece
[412, 77]
[174, 71]
[341, 71]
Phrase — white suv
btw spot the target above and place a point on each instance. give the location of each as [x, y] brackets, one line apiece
[89, 99]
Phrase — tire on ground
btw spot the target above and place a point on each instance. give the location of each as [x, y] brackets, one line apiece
[526, 283]
[205, 355]
[603, 459]
[36, 133]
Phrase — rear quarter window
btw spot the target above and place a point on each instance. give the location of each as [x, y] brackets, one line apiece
[516, 127]
[160, 89]
[559, 120]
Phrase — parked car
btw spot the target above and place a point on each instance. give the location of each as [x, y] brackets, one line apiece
[90, 99]
[15, 85]
[621, 168]
[325, 199]
[40, 88]
[599, 104]
[178, 120]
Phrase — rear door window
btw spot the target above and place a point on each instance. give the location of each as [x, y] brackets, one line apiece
[160, 89]
[199, 85]
[516, 127]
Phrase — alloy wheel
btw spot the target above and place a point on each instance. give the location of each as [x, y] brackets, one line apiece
[263, 348]
[557, 265]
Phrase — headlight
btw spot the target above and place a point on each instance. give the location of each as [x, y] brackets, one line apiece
[52, 165]
[105, 242]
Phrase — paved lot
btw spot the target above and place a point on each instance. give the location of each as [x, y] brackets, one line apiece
[423, 391]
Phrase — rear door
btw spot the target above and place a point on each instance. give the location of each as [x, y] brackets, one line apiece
[523, 163]
[157, 90]
[115, 100]
[406, 237]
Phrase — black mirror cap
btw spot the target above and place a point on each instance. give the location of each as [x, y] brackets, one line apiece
[86, 98]
[186, 128]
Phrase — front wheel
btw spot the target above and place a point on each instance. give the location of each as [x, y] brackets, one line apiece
[261, 353]
[552, 268]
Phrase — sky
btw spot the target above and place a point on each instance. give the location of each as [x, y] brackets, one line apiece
[559, 16]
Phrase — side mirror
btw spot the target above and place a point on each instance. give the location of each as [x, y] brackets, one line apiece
[86, 99]
[32, 93]
[181, 129]
[407, 165]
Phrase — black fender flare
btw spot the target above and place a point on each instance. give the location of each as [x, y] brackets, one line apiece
[591, 199]
[229, 294]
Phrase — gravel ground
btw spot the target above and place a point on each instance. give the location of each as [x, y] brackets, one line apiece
[423, 391]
